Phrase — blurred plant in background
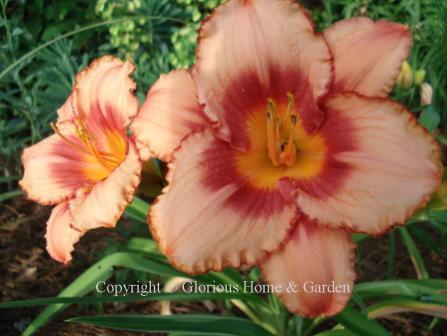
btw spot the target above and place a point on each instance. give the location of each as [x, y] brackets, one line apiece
[184, 40]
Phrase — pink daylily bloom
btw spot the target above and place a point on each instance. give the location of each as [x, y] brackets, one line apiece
[281, 142]
[90, 168]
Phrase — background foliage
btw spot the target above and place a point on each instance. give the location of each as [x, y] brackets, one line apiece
[43, 44]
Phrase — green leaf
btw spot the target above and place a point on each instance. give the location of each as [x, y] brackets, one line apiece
[138, 210]
[4, 179]
[185, 324]
[399, 305]
[129, 298]
[415, 255]
[359, 237]
[430, 119]
[100, 271]
[360, 324]
[427, 240]
[424, 290]
[341, 332]
[10, 194]
[144, 245]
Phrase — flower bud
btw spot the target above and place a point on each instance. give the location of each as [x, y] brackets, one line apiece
[405, 78]
[419, 77]
[426, 93]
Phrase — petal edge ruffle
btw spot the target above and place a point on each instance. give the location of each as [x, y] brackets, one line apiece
[170, 112]
[250, 51]
[320, 263]
[105, 202]
[367, 55]
[390, 169]
[60, 236]
[208, 218]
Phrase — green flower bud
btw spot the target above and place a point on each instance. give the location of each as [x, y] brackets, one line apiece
[419, 77]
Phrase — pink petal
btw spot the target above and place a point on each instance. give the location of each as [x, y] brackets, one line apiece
[320, 263]
[54, 169]
[60, 236]
[171, 112]
[367, 54]
[103, 104]
[210, 217]
[250, 51]
[104, 94]
[388, 167]
[67, 111]
[103, 205]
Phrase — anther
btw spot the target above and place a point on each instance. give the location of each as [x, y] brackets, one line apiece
[280, 151]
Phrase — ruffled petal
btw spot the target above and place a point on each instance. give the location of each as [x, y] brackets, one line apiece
[250, 51]
[388, 167]
[209, 216]
[67, 111]
[367, 54]
[103, 205]
[104, 94]
[60, 236]
[171, 112]
[319, 263]
[103, 104]
[54, 168]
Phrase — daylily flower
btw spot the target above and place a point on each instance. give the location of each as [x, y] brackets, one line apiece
[90, 167]
[280, 143]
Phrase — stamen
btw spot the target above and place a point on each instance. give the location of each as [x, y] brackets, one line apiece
[279, 151]
[107, 161]
[68, 141]
[89, 142]
[272, 133]
[290, 104]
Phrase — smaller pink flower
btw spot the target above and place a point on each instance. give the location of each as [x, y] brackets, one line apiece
[90, 168]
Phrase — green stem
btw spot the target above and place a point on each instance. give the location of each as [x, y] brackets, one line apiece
[4, 4]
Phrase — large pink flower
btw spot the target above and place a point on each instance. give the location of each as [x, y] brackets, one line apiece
[280, 143]
[90, 167]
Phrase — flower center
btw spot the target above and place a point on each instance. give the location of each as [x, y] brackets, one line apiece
[88, 145]
[281, 146]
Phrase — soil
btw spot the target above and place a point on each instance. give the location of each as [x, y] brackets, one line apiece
[28, 272]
